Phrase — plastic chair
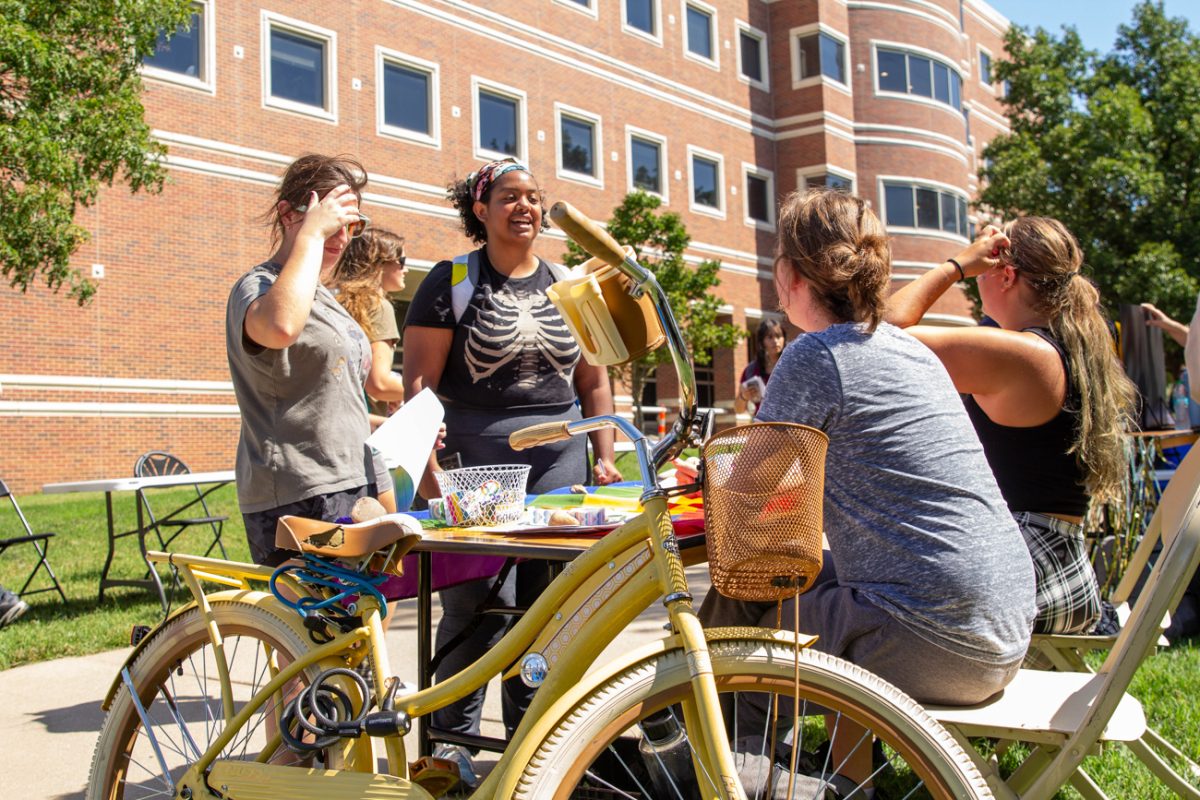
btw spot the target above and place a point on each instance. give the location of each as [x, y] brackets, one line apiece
[40, 542]
[159, 463]
[1065, 715]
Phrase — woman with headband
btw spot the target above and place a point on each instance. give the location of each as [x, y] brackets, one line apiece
[1045, 392]
[298, 362]
[501, 358]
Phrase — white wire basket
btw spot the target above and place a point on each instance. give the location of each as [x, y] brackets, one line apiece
[490, 495]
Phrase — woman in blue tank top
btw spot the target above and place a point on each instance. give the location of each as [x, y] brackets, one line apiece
[1045, 392]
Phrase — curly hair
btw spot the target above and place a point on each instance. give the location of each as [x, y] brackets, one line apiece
[357, 275]
[458, 192]
[1048, 259]
[837, 244]
[312, 173]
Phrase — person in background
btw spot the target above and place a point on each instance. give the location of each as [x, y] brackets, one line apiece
[1045, 391]
[926, 580]
[12, 607]
[371, 267]
[1182, 335]
[504, 359]
[298, 363]
[769, 340]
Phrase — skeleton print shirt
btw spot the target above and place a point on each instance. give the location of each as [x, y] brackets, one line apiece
[511, 348]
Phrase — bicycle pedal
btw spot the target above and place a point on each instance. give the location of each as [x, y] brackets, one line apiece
[435, 775]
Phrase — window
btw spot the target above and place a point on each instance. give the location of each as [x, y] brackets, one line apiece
[752, 55]
[578, 145]
[184, 55]
[910, 73]
[585, 6]
[499, 121]
[759, 187]
[706, 382]
[705, 172]
[641, 16]
[407, 99]
[821, 54]
[300, 72]
[647, 162]
[828, 180]
[909, 205]
[699, 33]
[985, 68]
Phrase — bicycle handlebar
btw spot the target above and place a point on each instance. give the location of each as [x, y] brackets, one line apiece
[537, 435]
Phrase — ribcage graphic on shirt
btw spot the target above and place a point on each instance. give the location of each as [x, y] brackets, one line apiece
[519, 332]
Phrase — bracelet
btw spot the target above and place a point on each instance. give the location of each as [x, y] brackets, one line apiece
[962, 276]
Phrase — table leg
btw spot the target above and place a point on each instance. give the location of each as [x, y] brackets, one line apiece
[112, 544]
[424, 642]
[141, 535]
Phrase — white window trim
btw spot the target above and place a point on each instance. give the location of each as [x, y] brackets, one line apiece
[804, 173]
[922, 183]
[482, 84]
[271, 20]
[589, 10]
[794, 36]
[561, 110]
[708, 211]
[917, 98]
[655, 38]
[207, 82]
[767, 175]
[764, 62]
[385, 56]
[664, 175]
[991, 87]
[700, 5]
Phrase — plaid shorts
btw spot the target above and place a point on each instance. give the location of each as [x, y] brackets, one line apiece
[1068, 595]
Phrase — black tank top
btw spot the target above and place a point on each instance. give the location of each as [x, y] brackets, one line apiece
[1032, 466]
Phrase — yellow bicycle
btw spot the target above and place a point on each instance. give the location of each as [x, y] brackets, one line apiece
[236, 695]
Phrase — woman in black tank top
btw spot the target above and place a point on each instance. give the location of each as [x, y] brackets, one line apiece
[1044, 390]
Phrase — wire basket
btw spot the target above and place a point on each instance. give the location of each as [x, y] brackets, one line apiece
[491, 495]
[763, 515]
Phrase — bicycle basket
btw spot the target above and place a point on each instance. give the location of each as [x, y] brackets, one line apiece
[763, 514]
[491, 495]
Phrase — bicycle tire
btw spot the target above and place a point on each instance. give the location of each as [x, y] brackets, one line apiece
[565, 763]
[178, 687]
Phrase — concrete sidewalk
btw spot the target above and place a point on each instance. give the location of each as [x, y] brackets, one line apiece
[50, 712]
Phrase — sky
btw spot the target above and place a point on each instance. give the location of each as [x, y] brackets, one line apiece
[1096, 20]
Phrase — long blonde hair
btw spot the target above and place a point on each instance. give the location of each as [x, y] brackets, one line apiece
[358, 272]
[840, 247]
[1048, 258]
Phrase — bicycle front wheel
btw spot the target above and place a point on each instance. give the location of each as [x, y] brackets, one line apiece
[601, 748]
[142, 752]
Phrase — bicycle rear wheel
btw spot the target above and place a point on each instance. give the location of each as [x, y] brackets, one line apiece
[597, 750]
[180, 693]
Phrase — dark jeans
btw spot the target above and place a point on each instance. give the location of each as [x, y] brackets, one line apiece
[260, 525]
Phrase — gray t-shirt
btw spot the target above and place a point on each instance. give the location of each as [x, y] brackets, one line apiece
[914, 518]
[304, 416]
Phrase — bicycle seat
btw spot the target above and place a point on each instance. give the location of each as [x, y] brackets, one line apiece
[348, 540]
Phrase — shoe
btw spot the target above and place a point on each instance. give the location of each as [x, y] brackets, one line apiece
[467, 776]
[11, 607]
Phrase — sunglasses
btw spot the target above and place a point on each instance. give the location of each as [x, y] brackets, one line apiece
[355, 228]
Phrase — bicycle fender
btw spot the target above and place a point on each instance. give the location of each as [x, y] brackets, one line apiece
[525, 750]
[256, 598]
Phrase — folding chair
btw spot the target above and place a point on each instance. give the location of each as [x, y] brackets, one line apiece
[158, 463]
[1065, 715]
[40, 542]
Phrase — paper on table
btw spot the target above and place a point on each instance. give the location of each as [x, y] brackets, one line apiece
[405, 439]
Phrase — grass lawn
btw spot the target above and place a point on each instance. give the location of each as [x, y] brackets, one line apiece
[1168, 685]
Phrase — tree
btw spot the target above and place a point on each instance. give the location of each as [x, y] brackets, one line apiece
[71, 119]
[1110, 145]
[658, 242]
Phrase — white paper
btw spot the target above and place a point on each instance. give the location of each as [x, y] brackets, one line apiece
[405, 439]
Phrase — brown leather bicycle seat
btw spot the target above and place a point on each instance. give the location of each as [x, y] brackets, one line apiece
[350, 540]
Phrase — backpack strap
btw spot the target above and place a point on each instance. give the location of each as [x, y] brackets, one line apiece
[464, 277]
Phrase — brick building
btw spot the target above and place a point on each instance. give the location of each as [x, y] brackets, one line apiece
[719, 106]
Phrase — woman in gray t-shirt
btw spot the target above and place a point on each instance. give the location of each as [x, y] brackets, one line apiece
[298, 362]
[926, 579]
